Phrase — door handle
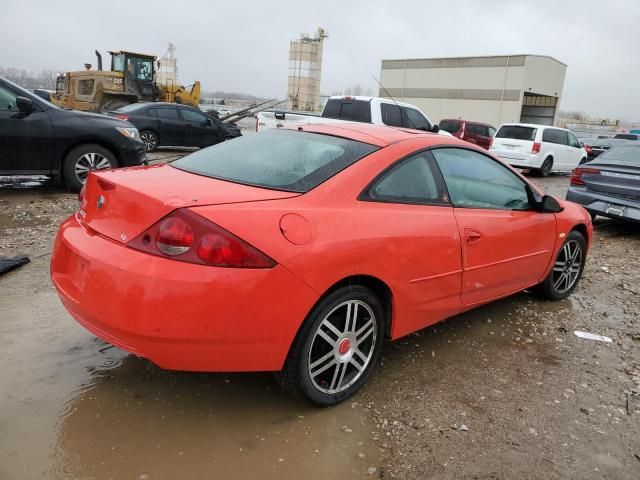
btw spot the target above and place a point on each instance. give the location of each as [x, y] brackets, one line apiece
[472, 235]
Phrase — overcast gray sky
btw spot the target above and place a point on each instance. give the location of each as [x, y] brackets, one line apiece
[243, 45]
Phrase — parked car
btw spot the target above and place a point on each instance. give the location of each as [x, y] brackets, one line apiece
[169, 124]
[538, 147]
[38, 138]
[473, 132]
[42, 93]
[597, 146]
[627, 136]
[610, 185]
[287, 251]
[338, 109]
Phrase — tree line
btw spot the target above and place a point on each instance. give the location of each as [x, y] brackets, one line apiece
[45, 79]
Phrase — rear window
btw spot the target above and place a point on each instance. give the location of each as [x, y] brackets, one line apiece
[626, 136]
[622, 155]
[451, 126]
[517, 132]
[132, 107]
[354, 110]
[287, 160]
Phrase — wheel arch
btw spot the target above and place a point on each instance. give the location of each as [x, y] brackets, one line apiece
[84, 141]
[377, 286]
[582, 229]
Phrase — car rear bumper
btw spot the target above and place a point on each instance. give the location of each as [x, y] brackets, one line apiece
[179, 315]
[605, 205]
[518, 160]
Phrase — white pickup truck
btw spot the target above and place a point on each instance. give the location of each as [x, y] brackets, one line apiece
[379, 111]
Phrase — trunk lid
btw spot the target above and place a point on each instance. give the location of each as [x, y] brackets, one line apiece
[514, 141]
[120, 204]
[619, 181]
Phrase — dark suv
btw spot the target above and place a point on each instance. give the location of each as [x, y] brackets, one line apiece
[38, 138]
[474, 132]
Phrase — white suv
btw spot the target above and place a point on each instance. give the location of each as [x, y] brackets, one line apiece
[538, 147]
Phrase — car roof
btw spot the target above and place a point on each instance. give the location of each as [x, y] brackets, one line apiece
[466, 121]
[532, 125]
[380, 135]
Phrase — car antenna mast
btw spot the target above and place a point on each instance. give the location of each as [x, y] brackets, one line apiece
[394, 101]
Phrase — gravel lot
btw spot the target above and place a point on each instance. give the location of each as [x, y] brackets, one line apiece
[505, 391]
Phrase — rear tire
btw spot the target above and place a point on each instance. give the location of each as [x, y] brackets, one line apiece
[546, 167]
[336, 348]
[567, 269]
[150, 140]
[83, 159]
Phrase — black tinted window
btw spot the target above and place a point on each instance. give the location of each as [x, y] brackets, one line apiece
[280, 159]
[628, 155]
[192, 116]
[354, 110]
[475, 180]
[517, 132]
[411, 181]
[414, 119]
[451, 126]
[391, 115]
[475, 129]
[553, 135]
[626, 136]
[166, 113]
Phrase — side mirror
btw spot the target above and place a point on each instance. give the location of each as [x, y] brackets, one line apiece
[24, 105]
[435, 128]
[550, 204]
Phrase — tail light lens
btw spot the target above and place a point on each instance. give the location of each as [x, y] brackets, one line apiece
[576, 176]
[186, 236]
[122, 116]
[588, 149]
[535, 148]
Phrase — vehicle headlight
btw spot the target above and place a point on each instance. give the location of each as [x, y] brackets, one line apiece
[130, 132]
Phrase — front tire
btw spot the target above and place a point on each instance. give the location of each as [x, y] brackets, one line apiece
[567, 269]
[83, 159]
[337, 347]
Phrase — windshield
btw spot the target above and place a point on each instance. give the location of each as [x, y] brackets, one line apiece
[279, 159]
[140, 68]
[623, 155]
[517, 132]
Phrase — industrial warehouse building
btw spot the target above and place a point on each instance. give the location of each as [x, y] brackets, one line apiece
[495, 90]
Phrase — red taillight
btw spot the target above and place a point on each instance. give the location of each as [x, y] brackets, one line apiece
[588, 149]
[491, 142]
[186, 236]
[122, 116]
[82, 193]
[174, 236]
[576, 176]
[535, 148]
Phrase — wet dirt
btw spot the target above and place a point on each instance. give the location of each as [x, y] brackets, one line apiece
[504, 391]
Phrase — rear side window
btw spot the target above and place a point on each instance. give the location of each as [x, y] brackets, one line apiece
[517, 132]
[626, 136]
[491, 131]
[166, 113]
[410, 181]
[287, 160]
[412, 118]
[553, 135]
[391, 115]
[132, 107]
[354, 110]
[475, 129]
[192, 116]
[451, 126]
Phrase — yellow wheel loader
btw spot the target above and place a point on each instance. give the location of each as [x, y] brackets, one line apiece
[132, 78]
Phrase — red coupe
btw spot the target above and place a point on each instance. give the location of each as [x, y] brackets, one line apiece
[300, 251]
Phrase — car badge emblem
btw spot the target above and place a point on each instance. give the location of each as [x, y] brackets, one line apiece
[100, 202]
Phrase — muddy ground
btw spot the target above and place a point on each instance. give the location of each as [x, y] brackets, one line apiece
[503, 392]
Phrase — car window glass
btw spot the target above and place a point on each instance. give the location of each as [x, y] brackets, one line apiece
[451, 126]
[414, 119]
[192, 116]
[517, 132]
[492, 131]
[410, 181]
[7, 100]
[626, 155]
[391, 115]
[475, 180]
[573, 141]
[167, 113]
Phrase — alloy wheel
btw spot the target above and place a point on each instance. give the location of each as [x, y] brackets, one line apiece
[150, 141]
[567, 267]
[88, 162]
[342, 347]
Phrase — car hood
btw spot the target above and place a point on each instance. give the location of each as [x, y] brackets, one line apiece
[95, 118]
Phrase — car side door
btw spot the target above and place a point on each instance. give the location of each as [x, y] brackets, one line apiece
[483, 138]
[27, 142]
[506, 245]
[201, 130]
[170, 127]
[577, 151]
[411, 216]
